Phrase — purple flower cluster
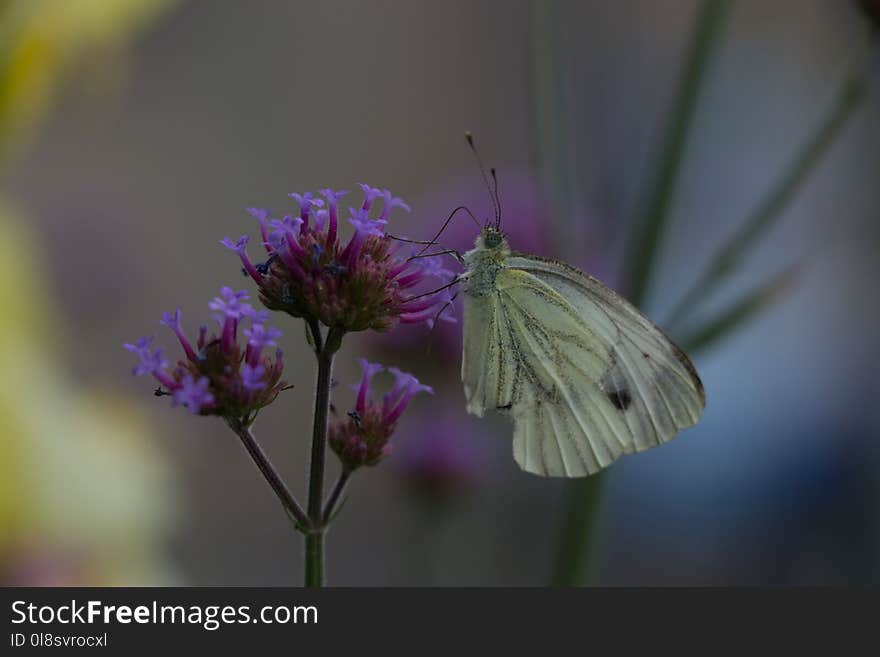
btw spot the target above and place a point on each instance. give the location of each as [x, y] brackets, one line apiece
[362, 438]
[218, 376]
[364, 283]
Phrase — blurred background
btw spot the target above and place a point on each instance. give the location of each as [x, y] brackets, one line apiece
[133, 134]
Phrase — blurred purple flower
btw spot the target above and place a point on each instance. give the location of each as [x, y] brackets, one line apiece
[441, 455]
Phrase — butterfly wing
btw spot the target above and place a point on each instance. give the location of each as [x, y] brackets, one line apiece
[651, 383]
[583, 374]
[488, 368]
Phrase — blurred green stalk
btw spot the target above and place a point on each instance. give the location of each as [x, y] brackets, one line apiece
[649, 235]
[553, 126]
[738, 313]
[847, 98]
[576, 541]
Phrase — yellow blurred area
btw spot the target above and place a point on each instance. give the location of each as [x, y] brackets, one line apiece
[84, 492]
[80, 480]
[42, 41]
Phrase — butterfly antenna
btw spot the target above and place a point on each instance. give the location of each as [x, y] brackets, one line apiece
[450, 252]
[497, 197]
[446, 223]
[493, 195]
[454, 281]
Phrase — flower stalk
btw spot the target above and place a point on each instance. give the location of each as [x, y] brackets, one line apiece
[288, 501]
[314, 554]
[336, 494]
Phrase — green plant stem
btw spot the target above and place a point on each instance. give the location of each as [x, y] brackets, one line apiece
[315, 559]
[554, 122]
[576, 540]
[314, 552]
[847, 98]
[576, 544]
[288, 501]
[336, 494]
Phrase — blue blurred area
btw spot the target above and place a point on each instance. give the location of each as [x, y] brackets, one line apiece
[234, 104]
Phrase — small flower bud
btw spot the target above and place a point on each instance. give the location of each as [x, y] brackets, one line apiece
[362, 438]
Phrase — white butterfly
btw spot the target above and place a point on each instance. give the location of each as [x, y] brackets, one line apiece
[584, 375]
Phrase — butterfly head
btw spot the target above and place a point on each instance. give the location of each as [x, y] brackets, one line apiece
[490, 248]
[492, 239]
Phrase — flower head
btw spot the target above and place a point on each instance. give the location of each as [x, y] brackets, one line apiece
[260, 336]
[364, 283]
[363, 224]
[260, 214]
[238, 247]
[391, 202]
[332, 196]
[217, 376]
[369, 370]
[321, 217]
[230, 303]
[150, 360]
[195, 395]
[362, 438]
[257, 316]
[307, 201]
[370, 194]
[252, 377]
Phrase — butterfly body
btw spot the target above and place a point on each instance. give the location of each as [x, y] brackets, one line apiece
[584, 376]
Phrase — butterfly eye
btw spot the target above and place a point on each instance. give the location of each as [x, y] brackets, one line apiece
[492, 240]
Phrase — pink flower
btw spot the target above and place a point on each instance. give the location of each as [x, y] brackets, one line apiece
[220, 378]
[369, 282]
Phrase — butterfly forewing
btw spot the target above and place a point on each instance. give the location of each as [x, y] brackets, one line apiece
[583, 374]
[564, 424]
[653, 372]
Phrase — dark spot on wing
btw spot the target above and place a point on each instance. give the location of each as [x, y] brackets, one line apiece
[506, 407]
[620, 398]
